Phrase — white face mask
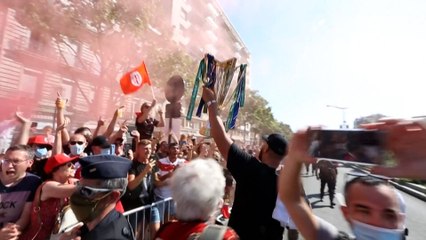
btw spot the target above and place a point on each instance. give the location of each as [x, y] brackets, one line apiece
[364, 231]
[77, 149]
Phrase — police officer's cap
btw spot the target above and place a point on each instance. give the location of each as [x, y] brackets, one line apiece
[104, 167]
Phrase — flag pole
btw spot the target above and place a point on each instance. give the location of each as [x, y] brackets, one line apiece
[152, 92]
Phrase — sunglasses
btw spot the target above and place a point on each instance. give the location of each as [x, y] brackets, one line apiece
[91, 192]
[76, 142]
[70, 165]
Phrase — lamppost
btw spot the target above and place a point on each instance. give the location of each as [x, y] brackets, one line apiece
[344, 124]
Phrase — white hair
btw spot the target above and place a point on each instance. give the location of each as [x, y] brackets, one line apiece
[197, 189]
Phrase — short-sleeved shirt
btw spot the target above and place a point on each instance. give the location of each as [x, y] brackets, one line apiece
[143, 193]
[146, 128]
[177, 230]
[326, 231]
[165, 166]
[14, 198]
[255, 196]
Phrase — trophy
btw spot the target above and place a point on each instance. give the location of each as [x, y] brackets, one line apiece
[228, 87]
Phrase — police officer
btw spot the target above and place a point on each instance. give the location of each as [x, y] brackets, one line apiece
[103, 182]
[328, 175]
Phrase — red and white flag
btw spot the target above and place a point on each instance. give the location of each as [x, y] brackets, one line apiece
[133, 80]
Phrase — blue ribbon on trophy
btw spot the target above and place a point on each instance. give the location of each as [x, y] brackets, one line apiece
[220, 77]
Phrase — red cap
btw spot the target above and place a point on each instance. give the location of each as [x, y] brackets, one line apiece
[40, 140]
[57, 160]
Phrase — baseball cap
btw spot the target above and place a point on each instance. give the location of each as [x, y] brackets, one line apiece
[40, 140]
[101, 141]
[57, 160]
[276, 143]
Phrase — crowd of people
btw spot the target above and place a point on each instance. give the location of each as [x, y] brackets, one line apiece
[98, 174]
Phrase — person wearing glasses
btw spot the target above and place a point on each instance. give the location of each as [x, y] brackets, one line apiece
[17, 189]
[373, 209]
[77, 144]
[51, 196]
[103, 182]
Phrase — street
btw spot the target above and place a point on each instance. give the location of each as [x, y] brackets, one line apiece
[416, 219]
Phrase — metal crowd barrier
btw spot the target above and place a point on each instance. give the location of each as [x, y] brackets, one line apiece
[139, 218]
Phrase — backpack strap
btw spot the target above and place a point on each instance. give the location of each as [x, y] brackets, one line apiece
[213, 232]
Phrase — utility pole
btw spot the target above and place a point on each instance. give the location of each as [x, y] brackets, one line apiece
[344, 125]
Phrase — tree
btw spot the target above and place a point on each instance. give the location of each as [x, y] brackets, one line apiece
[367, 119]
[257, 112]
[105, 37]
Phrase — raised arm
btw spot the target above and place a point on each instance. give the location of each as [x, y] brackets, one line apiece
[60, 108]
[54, 189]
[142, 117]
[290, 187]
[100, 124]
[135, 181]
[161, 121]
[217, 129]
[111, 125]
[24, 134]
[123, 129]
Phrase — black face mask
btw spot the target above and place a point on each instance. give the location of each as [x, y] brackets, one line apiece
[85, 209]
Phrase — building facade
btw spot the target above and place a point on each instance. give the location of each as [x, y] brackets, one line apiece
[32, 71]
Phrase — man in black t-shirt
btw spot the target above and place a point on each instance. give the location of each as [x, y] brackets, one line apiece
[140, 188]
[145, 124]
[256, 180]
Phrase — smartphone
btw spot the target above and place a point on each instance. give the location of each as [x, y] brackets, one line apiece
[112, 149]
[358, 146]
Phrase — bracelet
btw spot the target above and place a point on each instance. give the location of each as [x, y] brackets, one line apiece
[210, 102]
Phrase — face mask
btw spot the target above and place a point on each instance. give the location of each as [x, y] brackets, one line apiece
[76, 149]
[85, 210]
[364, 231]
[40, 152]
[106, 151]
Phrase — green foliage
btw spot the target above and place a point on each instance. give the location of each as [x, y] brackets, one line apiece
[368, 119]
[257, 112]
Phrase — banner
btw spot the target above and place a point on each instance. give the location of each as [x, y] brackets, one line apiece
[132, 81]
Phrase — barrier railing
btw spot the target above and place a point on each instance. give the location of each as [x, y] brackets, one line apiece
[140, 218]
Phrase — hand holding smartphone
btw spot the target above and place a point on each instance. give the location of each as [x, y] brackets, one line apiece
[365, 147]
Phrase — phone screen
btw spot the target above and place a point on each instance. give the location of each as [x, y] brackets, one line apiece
[112, 149]
[355, 146]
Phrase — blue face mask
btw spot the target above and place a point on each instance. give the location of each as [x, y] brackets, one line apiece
[364, 231]
[76, 149]
[41, 152]
[106, 151]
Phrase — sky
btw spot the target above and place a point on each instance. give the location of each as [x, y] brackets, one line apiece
[368, 56]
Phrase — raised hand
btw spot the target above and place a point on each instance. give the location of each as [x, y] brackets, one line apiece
[119, 111]
[135, 134]
[21, 118]
[60, 103]
[101, 122]
[123, 127]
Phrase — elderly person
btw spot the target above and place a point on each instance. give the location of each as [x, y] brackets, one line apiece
[103, 182]
[197, 189]
[51, 196]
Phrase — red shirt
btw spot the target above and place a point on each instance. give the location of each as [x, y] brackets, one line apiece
[183, 230]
